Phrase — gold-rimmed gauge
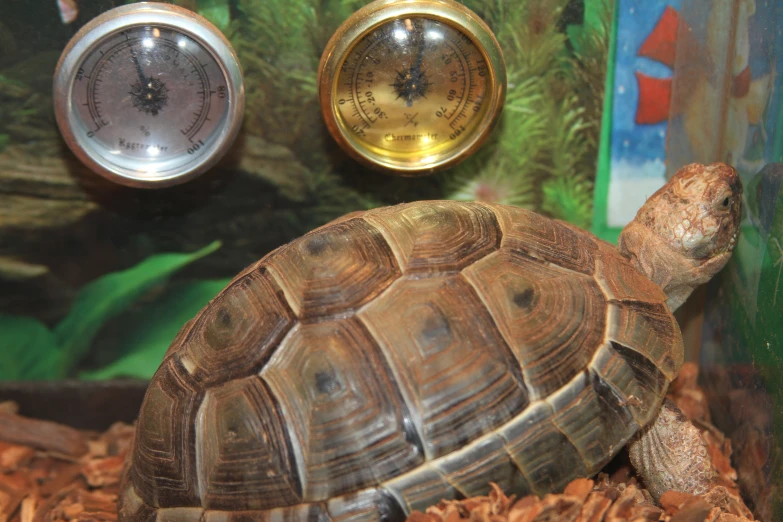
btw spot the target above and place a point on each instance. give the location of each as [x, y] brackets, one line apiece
[412, 86]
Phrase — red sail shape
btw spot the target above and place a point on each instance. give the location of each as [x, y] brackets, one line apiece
[661, 45]
[655, 96]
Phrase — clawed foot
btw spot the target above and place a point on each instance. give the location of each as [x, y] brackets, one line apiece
[671, 457]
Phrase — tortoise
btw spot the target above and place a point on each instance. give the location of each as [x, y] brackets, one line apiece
[402, 355]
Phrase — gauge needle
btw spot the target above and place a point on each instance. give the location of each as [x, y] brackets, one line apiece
[418, 80]
[413, 84]
[139, 70]
[416, 69]
[150, 95]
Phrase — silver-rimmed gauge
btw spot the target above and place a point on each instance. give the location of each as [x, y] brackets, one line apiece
[149, 94]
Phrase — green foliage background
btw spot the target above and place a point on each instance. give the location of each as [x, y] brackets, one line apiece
[542, 155]
[30, 350]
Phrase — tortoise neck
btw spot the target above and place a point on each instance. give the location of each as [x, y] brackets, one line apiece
[677, 275]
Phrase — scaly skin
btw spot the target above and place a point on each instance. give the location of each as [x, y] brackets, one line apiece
[685, 232]
[669, 453]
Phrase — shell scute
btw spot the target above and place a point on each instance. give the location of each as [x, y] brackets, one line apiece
[237, 332]
[163, 467]
[651, 331]
[621, 281]
[337, 268]
[546, 457]
[594, 417]
[529, 234]
[431, 346]
[180, 340]
[130, 505]
[552, 319]
[345, 417]
[439, 236]
[421, 488]
[367, 505]
[245, 458]
[297, 513]
[637, 380]
[468, 468]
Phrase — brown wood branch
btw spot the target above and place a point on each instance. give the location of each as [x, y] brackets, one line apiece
[42, 435]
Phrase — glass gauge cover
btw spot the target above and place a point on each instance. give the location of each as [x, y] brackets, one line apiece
[149, 95]
[412, 86]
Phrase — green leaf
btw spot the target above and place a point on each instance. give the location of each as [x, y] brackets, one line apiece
[112, 294]
[575, 34]
[28, 350]
[596, 12]
[216, 11]
[149, 332]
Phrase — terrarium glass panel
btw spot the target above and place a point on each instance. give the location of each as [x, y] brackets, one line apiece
[726, 107]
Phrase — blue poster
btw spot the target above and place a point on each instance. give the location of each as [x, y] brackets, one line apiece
[646, 45]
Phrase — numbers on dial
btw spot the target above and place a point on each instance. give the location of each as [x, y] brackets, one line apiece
[157, 80]
[412, 85]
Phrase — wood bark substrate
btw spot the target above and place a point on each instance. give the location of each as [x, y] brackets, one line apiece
[50, 472]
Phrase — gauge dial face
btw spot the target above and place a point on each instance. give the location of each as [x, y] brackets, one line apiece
[150, 95]
[411, 88]
[149, 104]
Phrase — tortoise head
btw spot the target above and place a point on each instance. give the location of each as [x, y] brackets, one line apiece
[685, 232]
[698, 211]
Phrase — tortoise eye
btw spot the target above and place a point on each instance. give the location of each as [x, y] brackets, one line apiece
[726, 202]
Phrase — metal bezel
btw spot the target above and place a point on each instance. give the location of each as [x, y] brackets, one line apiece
[145, 14]
[377, 13]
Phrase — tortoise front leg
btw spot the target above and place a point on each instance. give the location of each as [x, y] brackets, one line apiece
[670, 453]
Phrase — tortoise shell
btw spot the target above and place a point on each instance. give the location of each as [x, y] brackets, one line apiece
[399, 356]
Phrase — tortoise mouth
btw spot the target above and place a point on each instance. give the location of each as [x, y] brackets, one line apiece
[733, 241]
[728, 246]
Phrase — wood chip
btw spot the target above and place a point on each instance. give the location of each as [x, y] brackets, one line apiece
[719, 449]
[579, 488]
[103, 472]
[594, 508]
[28, 508]
[14, 456]
[674, 501]
[523, 509]
[727, 517]
[728, 501]
[623, 507]
[50, 472]
[697, 511]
